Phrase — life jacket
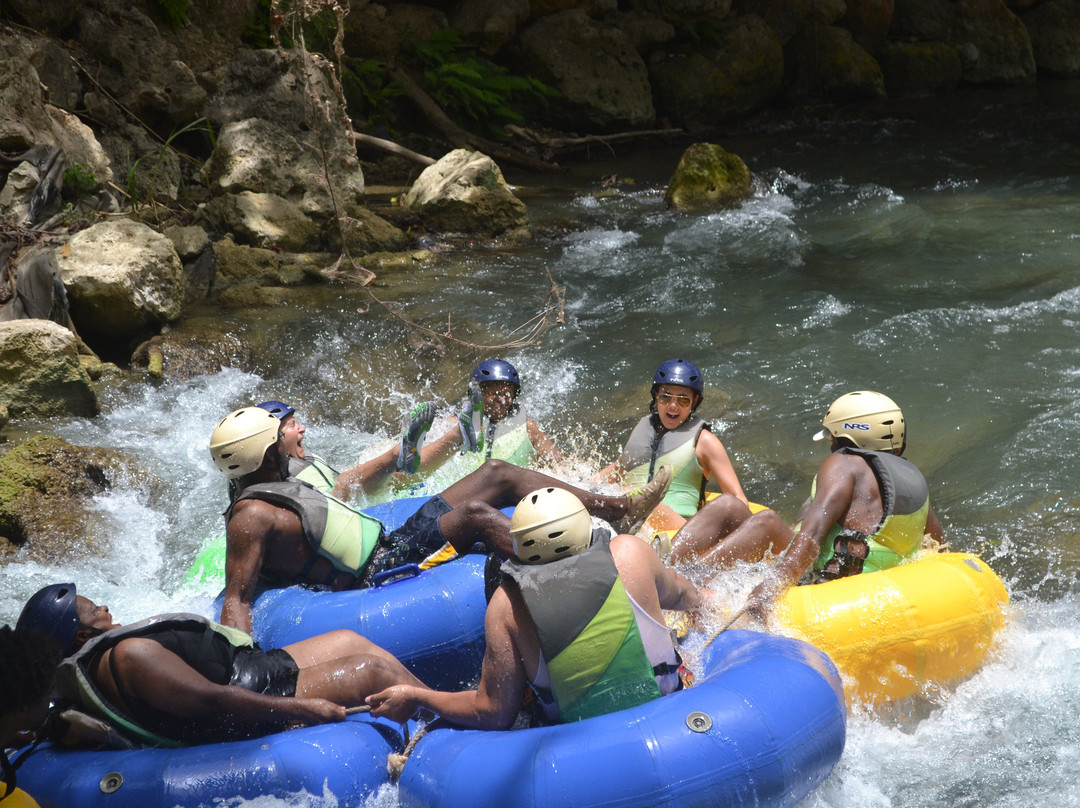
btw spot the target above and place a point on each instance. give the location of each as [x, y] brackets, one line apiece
[314, 471]
[601, 656]
[905, 500]
[190, 635]
[344, 535]
[647, 450]
[508, 439]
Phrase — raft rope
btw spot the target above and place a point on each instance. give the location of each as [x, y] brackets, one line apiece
[724, 627]
[395, 763]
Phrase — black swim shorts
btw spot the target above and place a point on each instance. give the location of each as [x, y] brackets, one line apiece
[419, 537]
[272, 673]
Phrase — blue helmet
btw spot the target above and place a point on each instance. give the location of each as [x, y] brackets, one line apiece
[51, 611]
[496, 370]
[682, 372]
[278, 408]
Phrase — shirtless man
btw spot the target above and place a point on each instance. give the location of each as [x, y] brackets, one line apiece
[284, 531]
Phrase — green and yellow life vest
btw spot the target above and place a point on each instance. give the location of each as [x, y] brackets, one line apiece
[588, 633]
[647, 450]
[340, 533]
[314, 471]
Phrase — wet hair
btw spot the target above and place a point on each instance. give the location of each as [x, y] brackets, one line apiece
[28, 663]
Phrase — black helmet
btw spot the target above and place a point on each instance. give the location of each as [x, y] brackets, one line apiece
[51, 611]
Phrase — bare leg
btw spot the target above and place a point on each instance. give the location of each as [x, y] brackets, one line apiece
[716, 520]
[750, 541]
[334, 645]
[350, 680]
[500, 485]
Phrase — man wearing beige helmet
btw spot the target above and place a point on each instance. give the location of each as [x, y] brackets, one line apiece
[283, 531]
[576, 619]
[868, 509]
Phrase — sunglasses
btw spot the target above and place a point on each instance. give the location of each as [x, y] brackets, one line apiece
[684, 402]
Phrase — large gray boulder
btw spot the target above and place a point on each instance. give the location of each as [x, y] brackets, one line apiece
[603, 81]
[465, 192]
[918, 68]
[26, 120]
[1054, 27]
[123, 278]
[138, 68]
[262, 157]
[824, 63]
[295, 93]
[993, 44]
[40, 373]
[708, 87]
[490, 24]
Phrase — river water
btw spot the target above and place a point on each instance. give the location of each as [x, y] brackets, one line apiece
[931, 253]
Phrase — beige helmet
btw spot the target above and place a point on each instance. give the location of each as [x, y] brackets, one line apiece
[548, 524]
[240, 441]
[868, 419]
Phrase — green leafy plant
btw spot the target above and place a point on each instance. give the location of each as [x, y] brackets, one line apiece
[79, 179]
[468, 86]
[174, 12]
[160, 156]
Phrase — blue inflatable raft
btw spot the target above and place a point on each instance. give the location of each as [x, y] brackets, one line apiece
[346, 760]
[763, 726]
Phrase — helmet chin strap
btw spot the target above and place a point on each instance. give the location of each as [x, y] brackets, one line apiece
[283, 462]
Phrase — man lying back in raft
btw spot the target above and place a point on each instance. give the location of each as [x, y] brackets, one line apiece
[179, 679]
[868, 509]
[557, 621]
[367, 476]
[285, 531]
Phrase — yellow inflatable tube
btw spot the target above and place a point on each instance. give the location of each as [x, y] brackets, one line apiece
[17, 799]
[890, 633]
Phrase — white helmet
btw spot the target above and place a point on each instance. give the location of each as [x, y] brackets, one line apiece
[548, 524]
[240, 441]
[868, 419]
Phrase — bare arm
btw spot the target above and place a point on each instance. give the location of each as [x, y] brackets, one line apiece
[246, 536]
[496, 701]
[434, 454]
[366, 476]
[715, 462]
[835, 491]
[545, 446]
[933, 527]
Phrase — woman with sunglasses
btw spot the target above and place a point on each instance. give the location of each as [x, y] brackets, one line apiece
[672, 434]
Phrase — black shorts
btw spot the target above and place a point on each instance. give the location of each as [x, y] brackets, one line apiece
[419, 537]
[272, 673]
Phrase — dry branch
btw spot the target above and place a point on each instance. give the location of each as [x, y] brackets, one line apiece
[461, 138]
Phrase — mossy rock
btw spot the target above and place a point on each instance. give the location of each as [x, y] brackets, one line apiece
[706, 177]
[46, 489]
